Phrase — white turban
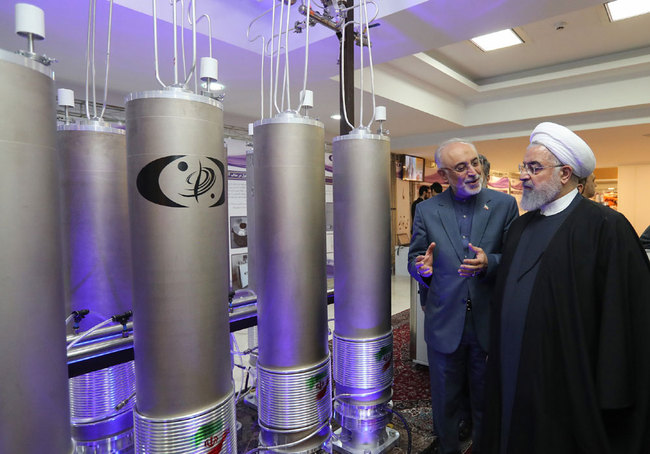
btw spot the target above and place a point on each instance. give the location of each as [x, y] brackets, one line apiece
[566, 146]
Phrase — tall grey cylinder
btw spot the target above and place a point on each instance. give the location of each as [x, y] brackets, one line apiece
[363, 341]
[362, 271]
[34, 411]
[250, 216]
[179, 229]
[293, 366]
[97, 250]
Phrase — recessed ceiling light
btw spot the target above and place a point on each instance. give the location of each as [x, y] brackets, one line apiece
[497, 40]
[335, 116]
[624, 9]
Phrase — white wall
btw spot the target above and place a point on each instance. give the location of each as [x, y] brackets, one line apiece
[634, 195]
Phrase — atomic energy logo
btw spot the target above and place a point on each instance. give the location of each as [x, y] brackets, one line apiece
[319, 382]
[208, 436]
[385, 354]
[181, 181]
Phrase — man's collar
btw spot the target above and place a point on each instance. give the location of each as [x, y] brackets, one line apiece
[558, 205]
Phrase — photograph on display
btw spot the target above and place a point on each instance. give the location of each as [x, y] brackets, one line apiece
[238, 232]
[239, 271]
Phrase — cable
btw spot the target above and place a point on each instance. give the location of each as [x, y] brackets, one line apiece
[108, 57]
[87, 333]
[90, 4]
[155, 44]
[293, 443]
[361, 78]
[304, 80]
[406, 426]
[371, 65]
[175, 31]
[277, 61]
[263, 56]
[345, 110]
[93, 58]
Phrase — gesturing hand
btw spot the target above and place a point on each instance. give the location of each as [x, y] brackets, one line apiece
[475, 266]
[424, 263]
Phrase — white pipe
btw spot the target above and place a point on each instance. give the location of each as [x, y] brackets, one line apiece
[87, 333]
[93, 58]
[304, 80]
[88, 57]
[345, 109]
[277, 61]
[174, 22]
[108, 56]
[287, 75]
[183, 36]
[271, 58]
[372, 71]
[263, 56]
[155, 43]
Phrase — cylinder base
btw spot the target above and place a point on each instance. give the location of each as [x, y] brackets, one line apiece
[199, 433]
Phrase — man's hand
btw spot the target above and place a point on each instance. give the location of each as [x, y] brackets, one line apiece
[424, 263]
[476, 266]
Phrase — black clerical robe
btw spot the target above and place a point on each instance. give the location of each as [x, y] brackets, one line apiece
[583, 380]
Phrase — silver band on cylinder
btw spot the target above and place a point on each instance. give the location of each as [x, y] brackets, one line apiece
[363, 364]
[198, 433]
[294, 399]
[94, 396]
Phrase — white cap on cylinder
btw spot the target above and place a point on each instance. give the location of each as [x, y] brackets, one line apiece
[380, 113]
[30, 20]
[250, 129]
[65, 97]
[209, 69]
[308, 100]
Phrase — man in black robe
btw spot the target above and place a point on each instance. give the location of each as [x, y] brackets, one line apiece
[569, 359]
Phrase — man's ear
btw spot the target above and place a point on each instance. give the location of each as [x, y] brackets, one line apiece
[565, 174]
[443, 174]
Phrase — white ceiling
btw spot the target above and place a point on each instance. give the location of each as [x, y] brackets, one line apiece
[593, 75]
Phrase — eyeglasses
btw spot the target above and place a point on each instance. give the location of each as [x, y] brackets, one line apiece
[533, 168]
[463, 167]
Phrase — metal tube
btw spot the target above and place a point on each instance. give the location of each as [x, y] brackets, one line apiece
[96, 232]
[97, 251]
[363, 342]
[34, 411]
[179, 227]
[362, 235]
[291, 281]
[155, 43]
[101, 333]
[175, 27]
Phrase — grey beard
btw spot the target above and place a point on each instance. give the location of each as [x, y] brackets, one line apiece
[543, 194]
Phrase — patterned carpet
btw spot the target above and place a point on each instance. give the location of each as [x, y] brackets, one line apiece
[411, 394]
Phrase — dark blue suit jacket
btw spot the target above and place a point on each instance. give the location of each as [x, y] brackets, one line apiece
[435, 221]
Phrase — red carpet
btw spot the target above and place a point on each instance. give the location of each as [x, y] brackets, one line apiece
[411, 381]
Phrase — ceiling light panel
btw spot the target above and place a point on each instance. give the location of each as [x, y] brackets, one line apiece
[497, 40]
[624, 9]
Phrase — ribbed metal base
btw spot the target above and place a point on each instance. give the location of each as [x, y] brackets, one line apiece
[209, 432]
[363, 363]
[294, 408]
[363, 370]
[97, 427]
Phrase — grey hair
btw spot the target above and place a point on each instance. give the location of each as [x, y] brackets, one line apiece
[437, 157]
